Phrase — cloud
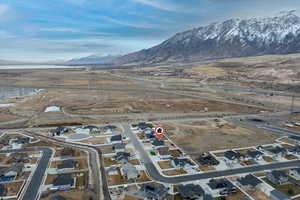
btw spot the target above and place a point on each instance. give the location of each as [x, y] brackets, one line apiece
[158, 4]
[135, 25]
[72, 30]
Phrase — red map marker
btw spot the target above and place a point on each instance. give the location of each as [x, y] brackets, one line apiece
[159, 131]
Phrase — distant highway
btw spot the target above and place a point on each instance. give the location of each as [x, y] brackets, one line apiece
[32, 190]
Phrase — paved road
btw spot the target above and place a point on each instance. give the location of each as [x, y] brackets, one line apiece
[268, 128]
[156, 175]
[95, 160]
[32, 191]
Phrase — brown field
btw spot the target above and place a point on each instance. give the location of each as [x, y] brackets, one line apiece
[174, 172]
[85, 96]
[268, 159]
[165, 164]
[211, 135]
[101, 140]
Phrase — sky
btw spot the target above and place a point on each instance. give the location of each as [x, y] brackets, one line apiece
[43, 30]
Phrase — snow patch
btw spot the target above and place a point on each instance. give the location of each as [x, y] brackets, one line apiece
[3, 105]
[52, 109]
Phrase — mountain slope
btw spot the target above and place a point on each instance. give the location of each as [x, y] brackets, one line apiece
[231, 38]
[93, 59]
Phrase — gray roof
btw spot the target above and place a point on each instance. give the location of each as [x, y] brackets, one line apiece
[157, 142]
[67, 164]
[155, 191]
[231, 155]
[129, 170]
[116, 138]
[191, 191]
[297, 170]
[249, 180]
[65, 179]
[122, 155]
[220, 184]
[119, 146]
[254, 154]
[278, 174]
[182, 162]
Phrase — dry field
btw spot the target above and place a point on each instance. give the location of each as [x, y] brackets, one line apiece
[85, 96]
[202, 136]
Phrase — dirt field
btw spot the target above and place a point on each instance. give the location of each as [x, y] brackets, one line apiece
[85, 96]
[202, 136]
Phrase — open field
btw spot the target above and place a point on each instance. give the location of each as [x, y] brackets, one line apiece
[203, 136]
[86, 96]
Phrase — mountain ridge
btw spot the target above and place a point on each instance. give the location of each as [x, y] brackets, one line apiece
[231, 38]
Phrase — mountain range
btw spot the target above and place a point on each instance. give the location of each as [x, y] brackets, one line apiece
[93, 59]
[279, 34]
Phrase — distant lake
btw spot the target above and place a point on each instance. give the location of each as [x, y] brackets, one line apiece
[6, 93]
[37, 66]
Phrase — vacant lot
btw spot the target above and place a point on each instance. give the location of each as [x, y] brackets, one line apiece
[203, 136]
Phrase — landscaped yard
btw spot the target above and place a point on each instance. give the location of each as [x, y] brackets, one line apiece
[288, 189]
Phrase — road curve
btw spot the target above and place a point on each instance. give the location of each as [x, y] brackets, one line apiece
[156, 175]
[32, 190]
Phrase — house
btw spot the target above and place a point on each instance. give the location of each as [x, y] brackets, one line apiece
[121, 156]
[67, 164]
[295, 173]
[154, 191]
[23, 140]
[277, 177]
[63, 182]
[10, 173]
[224, 187]
[158, 143]
[207, 159]
[18, 158]
[232, 155]
[119, 147]
[191, 191]
[144, 125]
[182, 162]
[91, 128]
[249, 182]
[164, 152]
[149, 136]
[58, 131]
[129, 170]
[58, 197]
[3, 190]
[294, 150]
[110, 128]
[295, 138]
[255, 155]
[277, 151]
[116, 139]
[277, 195]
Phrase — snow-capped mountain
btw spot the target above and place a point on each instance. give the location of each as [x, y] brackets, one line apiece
[93, 59]
[232, 38]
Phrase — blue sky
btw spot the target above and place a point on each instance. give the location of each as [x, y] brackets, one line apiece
[38, 30]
